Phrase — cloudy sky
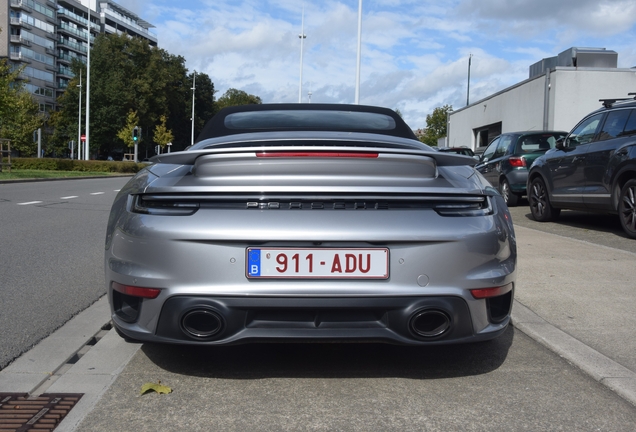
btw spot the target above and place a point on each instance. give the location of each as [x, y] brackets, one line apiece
[414, 52]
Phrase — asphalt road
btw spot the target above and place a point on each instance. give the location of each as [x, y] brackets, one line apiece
[51, 254]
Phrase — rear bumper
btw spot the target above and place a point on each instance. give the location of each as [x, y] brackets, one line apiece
[397, 320]
[517, 180]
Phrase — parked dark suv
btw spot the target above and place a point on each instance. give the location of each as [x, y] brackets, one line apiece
[506, 160]
[592, 169]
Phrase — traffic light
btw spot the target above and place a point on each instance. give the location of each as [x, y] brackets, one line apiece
[135, 134]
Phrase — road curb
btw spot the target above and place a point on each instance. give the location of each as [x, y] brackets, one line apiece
[600, 367]
[79, 357]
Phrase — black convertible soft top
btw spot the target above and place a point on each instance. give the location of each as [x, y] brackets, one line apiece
[305, 117]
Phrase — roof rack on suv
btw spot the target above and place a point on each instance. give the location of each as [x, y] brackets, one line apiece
[607, 103]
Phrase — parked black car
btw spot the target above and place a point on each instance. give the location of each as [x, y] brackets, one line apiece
[506, 160]
[457, 150]
[592, 169]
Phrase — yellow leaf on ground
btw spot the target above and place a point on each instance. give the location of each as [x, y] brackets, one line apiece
[158, 388]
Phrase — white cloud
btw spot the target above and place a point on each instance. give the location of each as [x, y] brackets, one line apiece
[414, 53]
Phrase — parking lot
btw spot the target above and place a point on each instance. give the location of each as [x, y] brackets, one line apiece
[601, 229]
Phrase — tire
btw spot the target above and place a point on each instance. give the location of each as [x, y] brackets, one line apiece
[508, 195]
[542, 210]
[627, 208]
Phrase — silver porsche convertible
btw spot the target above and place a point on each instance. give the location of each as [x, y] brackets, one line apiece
[310, 222]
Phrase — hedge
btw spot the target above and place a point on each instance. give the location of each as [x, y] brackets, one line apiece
[49, 164]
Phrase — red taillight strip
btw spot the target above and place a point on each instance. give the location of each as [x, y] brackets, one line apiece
[517, 161]
[149, 293]
[482, 293]
[316, 154]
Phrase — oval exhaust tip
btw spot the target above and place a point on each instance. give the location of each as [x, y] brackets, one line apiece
[430, 323]
[201, 323]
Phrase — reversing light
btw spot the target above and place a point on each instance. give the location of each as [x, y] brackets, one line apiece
[163, 208]
[517, 161]
[483, 293]
[149, 293]
[316, 154]
[481, 208]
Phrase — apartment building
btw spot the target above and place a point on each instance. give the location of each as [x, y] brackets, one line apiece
[45, 36]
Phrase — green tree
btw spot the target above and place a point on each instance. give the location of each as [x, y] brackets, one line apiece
[126, 133]
[233, 97]
[436, 124]
[19, 114]
[162, 135]
[128, 74]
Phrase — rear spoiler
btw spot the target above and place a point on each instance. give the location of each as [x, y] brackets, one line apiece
[188, 157]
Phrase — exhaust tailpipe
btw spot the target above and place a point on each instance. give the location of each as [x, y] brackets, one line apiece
[201, 323]
[430, 323]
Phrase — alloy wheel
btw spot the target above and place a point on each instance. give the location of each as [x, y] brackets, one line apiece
[509, 197]
[539, 200]
[627, 208]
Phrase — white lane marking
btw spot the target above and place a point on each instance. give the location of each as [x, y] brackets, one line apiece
[97, 193]
[116, 190]
[69, 197]
[30, 202]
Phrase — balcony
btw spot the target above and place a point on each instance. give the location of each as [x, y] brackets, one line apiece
[65, 28]
[18, 39]
[67, 58]
[72, 45]
[49, 51]
[18, 22]
[18, 57]
[21, 5]
[65, 72]
[72, 16]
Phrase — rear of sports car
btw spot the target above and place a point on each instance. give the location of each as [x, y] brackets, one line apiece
[287, 240]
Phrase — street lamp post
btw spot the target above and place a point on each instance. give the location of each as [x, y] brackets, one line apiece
[88, 85]
[468, 88]
[357, 99]
[79, 122]
[194, 87]
[302, 37]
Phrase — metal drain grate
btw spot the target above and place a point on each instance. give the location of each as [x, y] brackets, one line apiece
[20, 412]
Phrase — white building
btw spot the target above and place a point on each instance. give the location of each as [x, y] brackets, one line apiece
[561, 90]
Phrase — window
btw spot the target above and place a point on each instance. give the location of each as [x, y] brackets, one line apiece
[614, 124]
[309, 119]
[585, 131]
[490, 151]
[46, 107]
[630, 126]
[532, 143]
[502, 148]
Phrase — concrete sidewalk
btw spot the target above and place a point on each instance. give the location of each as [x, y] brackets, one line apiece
[574, 297]
[578, 299]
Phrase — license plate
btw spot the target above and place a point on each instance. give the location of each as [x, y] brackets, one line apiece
[318, 263]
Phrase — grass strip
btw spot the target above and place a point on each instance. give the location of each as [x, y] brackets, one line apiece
[17, 174]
